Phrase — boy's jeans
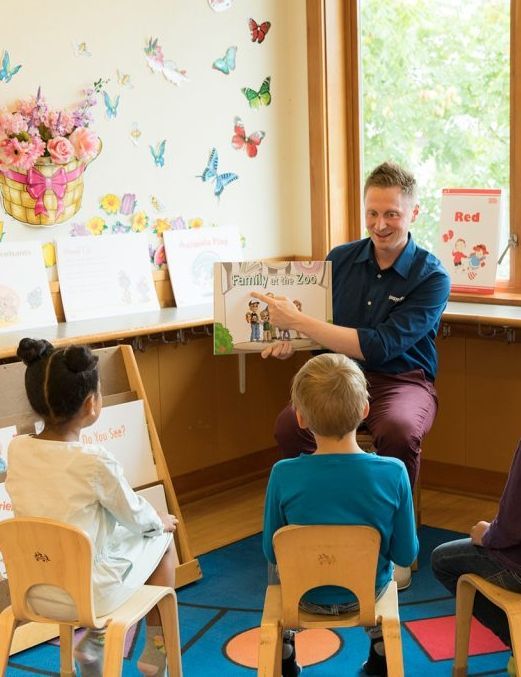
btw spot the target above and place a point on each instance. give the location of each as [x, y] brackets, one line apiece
[451, 560]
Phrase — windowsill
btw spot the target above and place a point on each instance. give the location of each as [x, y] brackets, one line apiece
[499, 297]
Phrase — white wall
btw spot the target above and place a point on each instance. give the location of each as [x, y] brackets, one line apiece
[270, 201]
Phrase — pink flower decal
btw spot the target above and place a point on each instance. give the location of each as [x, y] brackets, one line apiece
[85, 142]
[60, 149]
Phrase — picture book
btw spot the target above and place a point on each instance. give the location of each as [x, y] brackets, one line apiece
[105, 276]
[242, 323]
[191, 255]
[122, 429]
[468, 240]
[25, 298]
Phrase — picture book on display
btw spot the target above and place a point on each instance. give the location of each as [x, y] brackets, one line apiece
[242, 323]
[191, 255]
[25, 298]
[468, 240]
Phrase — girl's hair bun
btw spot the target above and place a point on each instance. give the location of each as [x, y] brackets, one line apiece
[31, 350]
[79, 358]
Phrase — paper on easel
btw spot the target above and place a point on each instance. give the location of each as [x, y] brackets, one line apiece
[155, 495]
[6, 435]
[191, 255]
[242, 324]
[25, 298]
[6, 512]
[105, 276]
[122, 429]
[468, 240]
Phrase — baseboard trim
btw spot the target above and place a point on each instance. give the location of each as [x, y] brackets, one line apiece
[462, 479]
[221, 476]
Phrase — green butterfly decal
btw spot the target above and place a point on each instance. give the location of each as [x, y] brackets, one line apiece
[260, 98]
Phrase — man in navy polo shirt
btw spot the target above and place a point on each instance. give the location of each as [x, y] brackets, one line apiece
[388, 297]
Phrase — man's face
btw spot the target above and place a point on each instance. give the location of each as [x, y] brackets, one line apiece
[388, 215]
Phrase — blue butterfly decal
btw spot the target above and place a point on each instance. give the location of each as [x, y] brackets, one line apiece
[158, 153]
[210, 174]
[6, 72]
[34, 298]
[227, 63]
[111, 105]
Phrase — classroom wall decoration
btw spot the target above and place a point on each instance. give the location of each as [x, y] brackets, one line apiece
[183, 88]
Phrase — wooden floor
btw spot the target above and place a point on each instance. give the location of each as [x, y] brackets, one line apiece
[234, 514]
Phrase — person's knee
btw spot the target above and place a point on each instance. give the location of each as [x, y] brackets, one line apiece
[398, 436]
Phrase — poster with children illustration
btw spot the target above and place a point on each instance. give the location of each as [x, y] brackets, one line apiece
[242, 323]
[191, 255]
[105, 276]
[468, 241]
[25, 298]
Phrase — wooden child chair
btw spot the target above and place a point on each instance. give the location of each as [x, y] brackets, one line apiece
[40, 551]
[509, 601]
[312, 556]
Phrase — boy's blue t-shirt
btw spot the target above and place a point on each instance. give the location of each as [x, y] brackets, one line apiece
[361, 488]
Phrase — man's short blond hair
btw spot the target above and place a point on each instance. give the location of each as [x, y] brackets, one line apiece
[391, 175]
[330, 392]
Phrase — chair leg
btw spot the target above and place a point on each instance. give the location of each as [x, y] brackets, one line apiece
[514, 622]
[67, 666]
[170, 622]
[464, 604]
[392, 637]
[7, 628]
[114, 648]
[270, 651]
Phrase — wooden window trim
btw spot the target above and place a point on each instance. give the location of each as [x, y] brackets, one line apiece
[335, 136]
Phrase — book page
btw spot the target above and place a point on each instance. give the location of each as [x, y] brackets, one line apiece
[105, 276]
[242, 324]
[468, 239]
[191, 255]
[6, 435]
[156, 497]
[122, 429]
[25, 298]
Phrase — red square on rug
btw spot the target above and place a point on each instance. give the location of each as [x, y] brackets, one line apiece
[436, 637]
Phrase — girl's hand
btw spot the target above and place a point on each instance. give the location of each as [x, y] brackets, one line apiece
[478, 531]
[169, 522]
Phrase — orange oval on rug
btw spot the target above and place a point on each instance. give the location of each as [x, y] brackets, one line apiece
[312, 646]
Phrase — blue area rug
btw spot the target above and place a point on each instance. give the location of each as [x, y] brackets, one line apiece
[229, 599]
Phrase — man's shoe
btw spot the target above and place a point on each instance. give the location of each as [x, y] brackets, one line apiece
[402, 576]
[375, 665]
[290, 667]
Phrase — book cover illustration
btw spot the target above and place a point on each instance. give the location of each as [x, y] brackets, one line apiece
[191, 255]
[25, 298]
[468, 239]
[242, 323]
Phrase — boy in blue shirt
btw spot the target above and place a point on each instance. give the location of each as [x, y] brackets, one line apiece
[340, 484]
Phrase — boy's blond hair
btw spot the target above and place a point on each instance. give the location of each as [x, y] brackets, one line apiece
[330, 392]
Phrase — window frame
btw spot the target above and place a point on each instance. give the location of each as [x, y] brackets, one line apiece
[335, 133]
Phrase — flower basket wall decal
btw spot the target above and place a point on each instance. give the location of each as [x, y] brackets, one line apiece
[43, 155]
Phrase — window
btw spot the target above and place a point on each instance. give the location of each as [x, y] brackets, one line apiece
[435, 96]
[426, 83]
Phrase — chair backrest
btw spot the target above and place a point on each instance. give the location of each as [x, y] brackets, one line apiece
[315, 555]
[40, 551]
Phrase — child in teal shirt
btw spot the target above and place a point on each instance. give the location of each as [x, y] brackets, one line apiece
[340, 484]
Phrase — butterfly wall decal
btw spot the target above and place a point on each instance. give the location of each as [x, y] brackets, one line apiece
[226, 64]
[260, 98]
[124, 79]
[210, 173]
[111, 105]
[258, 31]
[220, 5]
[157, 64]
[135, 133]
[80, 49]
[158, 153]
[240, 140]
[6, 72]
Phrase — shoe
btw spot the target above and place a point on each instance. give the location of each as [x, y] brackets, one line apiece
[290, 667]
[375, 665]
[402, 576]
